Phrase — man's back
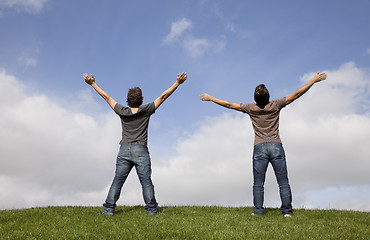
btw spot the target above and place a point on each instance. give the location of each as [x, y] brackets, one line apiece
[265, 120]
[134, 125]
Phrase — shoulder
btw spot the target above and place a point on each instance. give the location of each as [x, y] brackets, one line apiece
[247, 107]
[279, 103]
[149, 108]
[121, 110]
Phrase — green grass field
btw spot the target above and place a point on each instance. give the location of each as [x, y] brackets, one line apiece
[188, 222]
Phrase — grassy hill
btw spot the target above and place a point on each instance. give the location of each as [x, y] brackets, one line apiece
[188, 222]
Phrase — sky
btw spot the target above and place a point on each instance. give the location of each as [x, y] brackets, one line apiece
[59, 139]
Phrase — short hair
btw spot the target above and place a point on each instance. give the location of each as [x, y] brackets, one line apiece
[261, 95]
[134, 97]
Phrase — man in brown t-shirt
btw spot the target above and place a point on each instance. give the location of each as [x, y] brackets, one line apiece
[267, 144]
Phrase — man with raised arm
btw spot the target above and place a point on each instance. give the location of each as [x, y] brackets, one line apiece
[268, 147]
[133, 151]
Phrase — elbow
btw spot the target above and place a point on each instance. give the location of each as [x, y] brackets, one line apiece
[163, 97]
[107, 98]
[230, 105]
[235, 106]
[289, 100]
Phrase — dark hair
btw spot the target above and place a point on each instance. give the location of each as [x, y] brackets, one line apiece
[134, 97]
[261, 95]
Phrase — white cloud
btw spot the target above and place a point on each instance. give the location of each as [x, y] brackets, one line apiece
[211, 167]
[46, 151]
[28, 61]
[177, 29]
[230, 25]
[339, 197]
[349, 84]
[29, 57]
[52, 155]
[199, 46]
[31, 6]
[195, 46]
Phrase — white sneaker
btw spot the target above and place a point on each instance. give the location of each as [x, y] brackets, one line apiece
[287, 215]
[255, 214]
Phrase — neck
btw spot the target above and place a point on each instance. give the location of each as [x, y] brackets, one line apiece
[134, 110]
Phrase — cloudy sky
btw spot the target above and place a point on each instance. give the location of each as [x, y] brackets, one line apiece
[59, 139]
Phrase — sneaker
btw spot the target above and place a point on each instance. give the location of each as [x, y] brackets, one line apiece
[255, 214]
[288, 215]
[105, 213]
[152, 213]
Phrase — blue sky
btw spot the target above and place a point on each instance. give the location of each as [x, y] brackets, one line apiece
[227, 48]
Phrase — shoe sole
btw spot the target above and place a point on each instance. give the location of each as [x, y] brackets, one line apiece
[107, 214]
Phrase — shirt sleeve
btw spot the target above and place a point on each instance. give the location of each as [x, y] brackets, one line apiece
[149, 108]
[281, 102]
[245, 107]
[120, 110]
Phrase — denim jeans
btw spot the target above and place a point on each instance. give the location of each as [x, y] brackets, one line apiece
[130, 155]
[263, 154]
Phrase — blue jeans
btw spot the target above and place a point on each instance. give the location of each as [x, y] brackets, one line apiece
[130, 155]
[263, 154]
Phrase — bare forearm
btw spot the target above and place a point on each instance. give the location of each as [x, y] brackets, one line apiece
[91, 81]
[158, 102]
[169, 91]
[181, 77]
[104, 95]
[220, 102]
[304, 89]
[317, 78]
[223, 103]
[101, 92]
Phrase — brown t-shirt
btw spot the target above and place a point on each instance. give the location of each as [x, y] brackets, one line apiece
[265, 120]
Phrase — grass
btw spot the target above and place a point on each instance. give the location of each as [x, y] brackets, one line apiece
[188, 222]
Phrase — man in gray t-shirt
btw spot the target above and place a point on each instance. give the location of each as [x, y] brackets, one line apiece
[134, 125]
[267, 143]
[133, 151]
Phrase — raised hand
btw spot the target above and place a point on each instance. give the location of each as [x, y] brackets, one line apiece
[181, 77]
[205, 97]
[319, 77]
[89, 80]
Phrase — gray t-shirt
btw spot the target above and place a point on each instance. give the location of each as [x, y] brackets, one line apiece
[134, 125]
[265, 120]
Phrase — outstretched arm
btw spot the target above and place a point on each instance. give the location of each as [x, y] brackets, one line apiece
[180, 79]
[207, 97]
[317, 78]
[91, 81]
